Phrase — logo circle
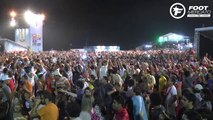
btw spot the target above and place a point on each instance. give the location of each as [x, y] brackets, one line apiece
[179, 10]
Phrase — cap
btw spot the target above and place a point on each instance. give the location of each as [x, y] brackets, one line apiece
[198, 87]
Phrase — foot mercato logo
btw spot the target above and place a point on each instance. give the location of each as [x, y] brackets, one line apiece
[178, 10]
[199, 11]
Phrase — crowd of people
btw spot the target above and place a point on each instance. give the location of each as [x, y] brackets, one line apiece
[124, 85]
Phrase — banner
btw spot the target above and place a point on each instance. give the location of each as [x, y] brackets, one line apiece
[22, 36]
[36, 44]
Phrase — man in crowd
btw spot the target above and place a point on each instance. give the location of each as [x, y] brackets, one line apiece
[7, 96]
[171, 97]
[188, 100]
[49, 111]
[120, 111]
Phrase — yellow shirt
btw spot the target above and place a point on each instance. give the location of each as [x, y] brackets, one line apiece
[49, 112]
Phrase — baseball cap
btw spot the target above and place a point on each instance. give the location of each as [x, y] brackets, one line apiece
[198, 87]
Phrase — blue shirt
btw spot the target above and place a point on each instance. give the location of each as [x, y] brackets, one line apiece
[139, 108]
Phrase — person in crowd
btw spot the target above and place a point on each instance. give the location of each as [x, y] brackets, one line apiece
[40, 84]
[130, 84]
[49, 111]
[60, 82]
[157, 110]
[7, 96]
[206, 61]
[117, 82]
[171, 97]
[122, 70]
[136, 106]
[86, 105]
[31, 77]
[151, 82]
[206, 114]
[93, 71]
[187, 80]
[191, 115]
[162, 84]
[188, 101]
[74, 111]
[206, 101]
[80, 91]
[27, 86]
[120, 111]
[77, 72]
[4, 107]
[103, 69]
[11, 82]
[49, 80]
[69, 74]
[197, 91]
[209, 79]
[99, 109]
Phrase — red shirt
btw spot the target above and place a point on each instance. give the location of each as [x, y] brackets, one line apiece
[122, 114]
[11, 85]
[49, 84]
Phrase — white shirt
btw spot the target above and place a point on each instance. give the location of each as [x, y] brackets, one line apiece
[93, 72]
[169, 103]
[85, 115]
[122, 71]
[103, 71]
[77, 118]
[171, 91]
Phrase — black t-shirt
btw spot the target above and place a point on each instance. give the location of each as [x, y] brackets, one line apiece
[158, 113]
[4, 108]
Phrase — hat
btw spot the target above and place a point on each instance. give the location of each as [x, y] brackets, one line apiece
[162, 79]
[57, 73]
[198, 87]
[5, 77]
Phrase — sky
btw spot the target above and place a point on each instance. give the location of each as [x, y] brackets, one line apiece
[126, 23]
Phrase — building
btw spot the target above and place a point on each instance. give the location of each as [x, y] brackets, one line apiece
[102, 48]
[170, 41]
[30, 34]
[7, 45]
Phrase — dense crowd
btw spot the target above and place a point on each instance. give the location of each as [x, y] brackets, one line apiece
[124, 85]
